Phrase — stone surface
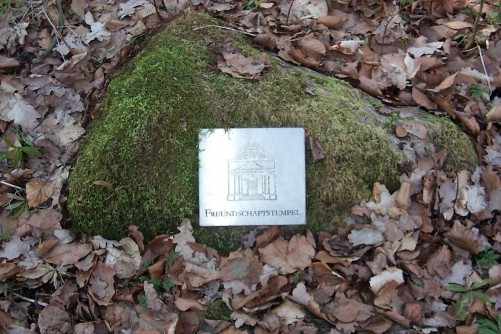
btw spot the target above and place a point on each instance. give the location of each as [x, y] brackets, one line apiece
[139, 162]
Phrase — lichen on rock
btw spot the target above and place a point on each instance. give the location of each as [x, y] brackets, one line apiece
[143, 145]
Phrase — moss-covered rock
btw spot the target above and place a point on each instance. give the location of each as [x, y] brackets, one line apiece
[139, 162]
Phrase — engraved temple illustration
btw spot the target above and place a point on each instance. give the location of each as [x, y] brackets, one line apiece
[251, 176]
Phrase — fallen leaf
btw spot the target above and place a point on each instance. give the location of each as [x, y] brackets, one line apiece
[391, 274]
[38, 192]
[237, 65]
[52, 320]
[348, 310]
[494, 115]
[15, 248]
[185, 304]
[303, 9]
[440, 262]
[288, 256]
[14, 108]
[7, 62]
[288, 313]
[68, 254]
[466, 238]
[366, 236]
[332, 21]
[422, 100]
[8, 270]
[312, 47]
[243, 267]
[101, 284]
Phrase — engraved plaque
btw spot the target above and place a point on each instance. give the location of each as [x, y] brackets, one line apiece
[252, 176]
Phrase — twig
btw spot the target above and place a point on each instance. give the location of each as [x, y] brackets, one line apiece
[475, 25]
[11, 185]
[225, 28]
[485, 69]
[33, 301]
[289, 12]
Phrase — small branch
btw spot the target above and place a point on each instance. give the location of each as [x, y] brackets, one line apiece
[5, 183]
[289, 12]
[225, 28]
[475, 25]
[485, 69]
[33, 301]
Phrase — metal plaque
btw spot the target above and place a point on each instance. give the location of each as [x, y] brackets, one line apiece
[252, 177]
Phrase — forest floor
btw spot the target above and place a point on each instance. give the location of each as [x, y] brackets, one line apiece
[426, 259]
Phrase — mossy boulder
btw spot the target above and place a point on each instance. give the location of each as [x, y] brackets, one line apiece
[139, 162]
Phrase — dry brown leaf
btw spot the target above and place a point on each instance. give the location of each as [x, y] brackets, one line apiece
[472, 329]
[370, 86]
[403, 196]
[53, 319]
[413, 312]
[348, 310]
[237, 65]
[7, 62]
[422, 100]
[289, 313]
[267, 236]
[446, 83]
[267, 293]
[38, 192]
[8, 270]
[380, 280]
[102, 284]
[440, 262]
[465, 238]
[68, 254]
[185, 304]
[243, 266]
[288, 256]
[332, 21]
[494, 115]
[42, 221]
[300, 295]
[312, 47]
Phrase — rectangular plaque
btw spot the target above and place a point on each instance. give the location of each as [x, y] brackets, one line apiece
[252, 176]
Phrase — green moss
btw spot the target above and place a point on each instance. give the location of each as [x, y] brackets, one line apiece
[448, 136]
[217, 310]
[145, 141]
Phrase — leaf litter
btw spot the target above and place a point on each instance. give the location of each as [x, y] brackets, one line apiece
[423, 259]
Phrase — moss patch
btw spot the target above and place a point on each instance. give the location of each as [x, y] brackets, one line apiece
[145, 142]
[217, 310]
